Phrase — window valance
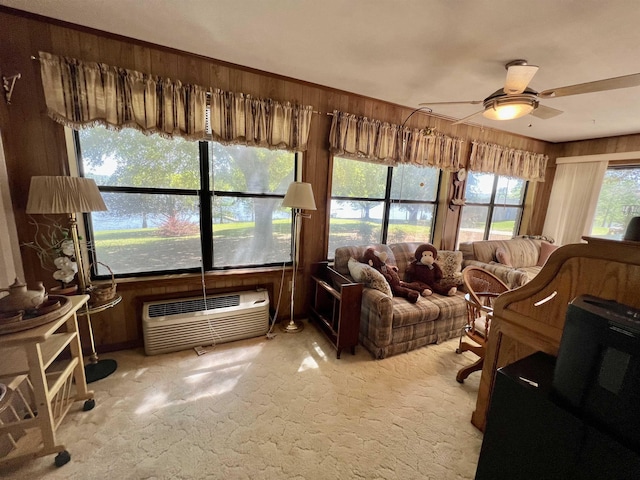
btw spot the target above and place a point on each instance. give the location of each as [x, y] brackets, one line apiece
[491, 158]
[236, 118]
[361, 138]
[84, 94]
[81, 95]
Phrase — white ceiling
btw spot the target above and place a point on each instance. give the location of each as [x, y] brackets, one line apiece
[404, 51]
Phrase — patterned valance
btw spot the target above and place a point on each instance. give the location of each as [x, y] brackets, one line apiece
[241, 119]
[491, 158]
[361, 138]
[81, 95]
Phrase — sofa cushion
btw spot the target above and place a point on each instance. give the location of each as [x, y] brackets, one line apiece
[513, 277]
[503, 256]
[404, 253]
[546, 249]
[524, 252]
[405, 313]
[450, 261]
[530, 272]
[343, 254]
[364, 273]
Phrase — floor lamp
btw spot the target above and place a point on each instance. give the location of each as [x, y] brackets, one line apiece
[299, 197]
[71, 195]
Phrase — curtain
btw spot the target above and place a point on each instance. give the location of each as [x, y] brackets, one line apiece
[236, 118]
[81, 95]
[573, 201]
[361, 138]
[491, 158]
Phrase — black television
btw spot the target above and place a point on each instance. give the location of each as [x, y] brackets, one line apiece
[597, 372]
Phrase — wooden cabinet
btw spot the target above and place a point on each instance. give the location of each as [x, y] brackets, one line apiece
[531, 317]
[335, 306]
[43, 370]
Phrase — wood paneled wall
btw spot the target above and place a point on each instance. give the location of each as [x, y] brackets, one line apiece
[35, 145]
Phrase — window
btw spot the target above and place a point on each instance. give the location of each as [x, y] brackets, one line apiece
[166, 215]
[618, 202]
[373, 203]
[493, 208]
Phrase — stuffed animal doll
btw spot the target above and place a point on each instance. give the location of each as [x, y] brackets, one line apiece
[390, 273]
[424, 274]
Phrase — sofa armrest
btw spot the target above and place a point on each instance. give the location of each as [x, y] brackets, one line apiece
[376, 316]
[512, 277]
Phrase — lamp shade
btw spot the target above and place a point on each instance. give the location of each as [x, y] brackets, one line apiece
[60, 194]
[508, 108]
[299, 195]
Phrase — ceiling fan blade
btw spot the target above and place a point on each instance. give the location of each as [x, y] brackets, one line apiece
[545, 112]
[625, 81]
[518, 78]
[462, 120]
[469, 102]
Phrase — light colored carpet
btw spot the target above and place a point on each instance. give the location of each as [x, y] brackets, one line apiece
[284, 408]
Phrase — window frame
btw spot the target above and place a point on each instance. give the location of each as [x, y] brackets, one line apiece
[205, 196]
[387, 202]
[492, 204]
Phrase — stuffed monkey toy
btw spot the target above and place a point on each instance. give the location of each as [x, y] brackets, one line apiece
[390, 273]
[424, 274]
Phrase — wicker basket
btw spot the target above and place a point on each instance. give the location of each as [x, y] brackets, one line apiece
[103, 293]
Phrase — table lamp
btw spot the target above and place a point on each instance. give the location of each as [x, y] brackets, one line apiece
[299, 197]
[71, 195]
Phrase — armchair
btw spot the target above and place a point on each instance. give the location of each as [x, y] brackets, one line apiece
[482, 288]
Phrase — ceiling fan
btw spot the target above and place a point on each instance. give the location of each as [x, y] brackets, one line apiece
[516, 99]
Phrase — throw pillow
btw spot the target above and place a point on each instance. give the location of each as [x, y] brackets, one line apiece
[546, 249]
[450, 263]
[503, 256]
[361, 272]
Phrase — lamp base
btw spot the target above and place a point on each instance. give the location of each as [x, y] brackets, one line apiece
[99, 370]
[292, 326]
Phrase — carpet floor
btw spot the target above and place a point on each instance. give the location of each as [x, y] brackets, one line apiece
[283, 408]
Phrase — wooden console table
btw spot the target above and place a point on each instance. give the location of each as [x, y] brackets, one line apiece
[34, 365]
[531, 318]
[336, 306]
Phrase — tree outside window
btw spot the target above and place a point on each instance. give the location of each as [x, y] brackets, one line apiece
[158, 200]
[493, 208]
[618, 202]
[372, 203]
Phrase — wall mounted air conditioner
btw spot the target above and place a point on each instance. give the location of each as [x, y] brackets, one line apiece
[179, 324]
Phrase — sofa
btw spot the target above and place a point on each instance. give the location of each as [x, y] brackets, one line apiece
[515, 261]
[392, 325]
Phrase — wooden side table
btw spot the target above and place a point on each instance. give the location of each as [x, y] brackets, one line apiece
[336, 306]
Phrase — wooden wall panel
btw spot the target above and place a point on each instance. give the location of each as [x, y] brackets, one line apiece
[34, 145]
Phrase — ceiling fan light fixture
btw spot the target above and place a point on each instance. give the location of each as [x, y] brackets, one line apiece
[509, 107]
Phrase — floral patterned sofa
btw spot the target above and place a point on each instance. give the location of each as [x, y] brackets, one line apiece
[393, 325]
[515, 261]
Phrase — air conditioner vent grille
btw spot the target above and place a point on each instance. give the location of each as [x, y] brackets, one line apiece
[190, 306]
[172, 325]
